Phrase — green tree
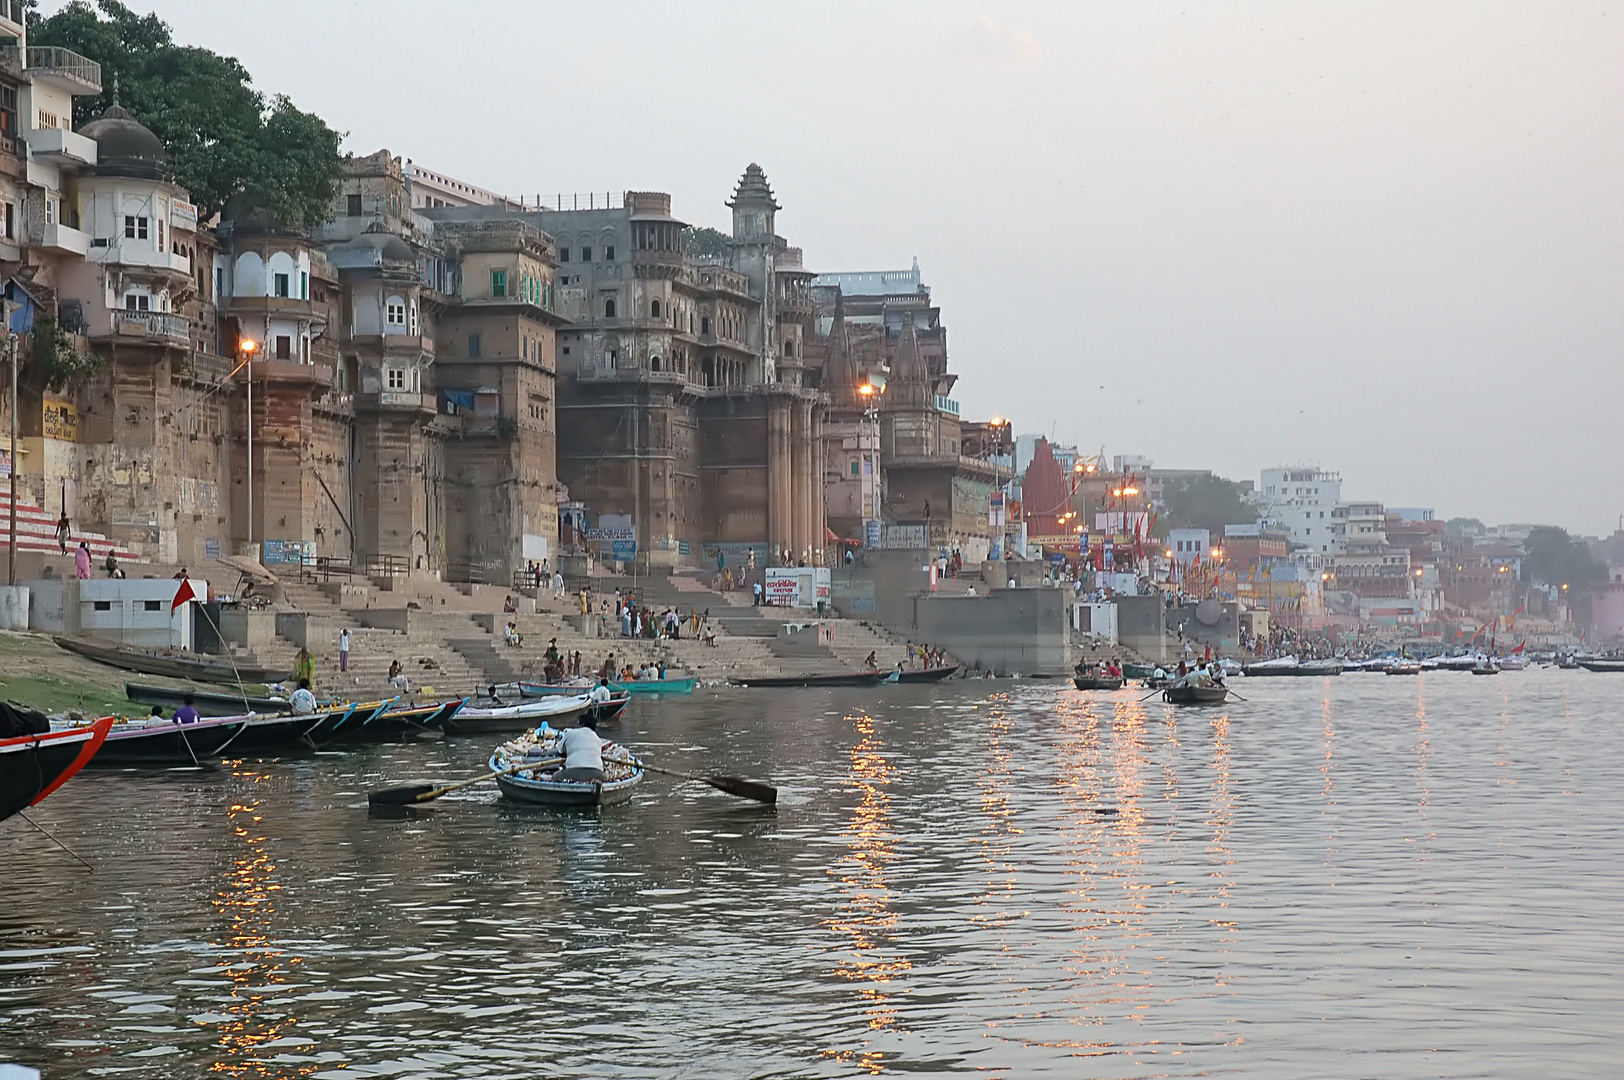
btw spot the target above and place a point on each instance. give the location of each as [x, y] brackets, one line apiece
[1556, 558]
[221, 136]
[1464, 526]
[700, 241]
[1207, 502]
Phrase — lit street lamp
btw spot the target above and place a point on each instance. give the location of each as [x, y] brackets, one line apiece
[246, 347]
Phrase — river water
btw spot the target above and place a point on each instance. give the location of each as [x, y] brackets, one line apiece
[1360, 876]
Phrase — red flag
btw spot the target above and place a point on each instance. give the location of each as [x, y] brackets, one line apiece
[182, 594]
[1519, 647]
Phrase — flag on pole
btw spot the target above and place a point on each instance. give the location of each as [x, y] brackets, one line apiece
[182, 594]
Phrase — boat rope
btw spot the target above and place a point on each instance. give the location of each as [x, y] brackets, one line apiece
[53, 839]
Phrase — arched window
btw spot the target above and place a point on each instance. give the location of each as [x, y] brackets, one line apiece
[609, 308]
[654, 308]
[704, 325]
[654, 363]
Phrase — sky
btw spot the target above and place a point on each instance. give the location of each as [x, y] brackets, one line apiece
[1386, 239]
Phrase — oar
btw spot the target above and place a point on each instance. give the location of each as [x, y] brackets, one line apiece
[1150, 695]
[411, 794]
[733, 785]
[1236, 696]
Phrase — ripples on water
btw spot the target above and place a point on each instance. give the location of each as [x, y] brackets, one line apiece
[1363, 876]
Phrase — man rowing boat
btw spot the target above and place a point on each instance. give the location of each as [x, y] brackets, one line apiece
[583, 753]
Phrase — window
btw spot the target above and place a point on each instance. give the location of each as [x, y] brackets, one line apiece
[102, 605]
[411, 327]
[284, 347]
[353, 205]
[654, 363]
[609, 253]
[704, 325]
[395, 378]
[304, 285]
[563, 254]
[219, 281]
[854, 468]
[11, 221]
[137, 302]
[609, 308]
[50, 210]
[654, 308]
[135, 228]
[395, 312]
[498, 283]
[160, 234]
[473, 346]
[152, 605]
[8, 112]
[586, 254]
[280, 287]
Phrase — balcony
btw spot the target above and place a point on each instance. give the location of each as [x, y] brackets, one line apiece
[272, 373]
[154, 327]
[140, 254]
[63, 239]
[61, 147]
[397, 401]
[64, 69]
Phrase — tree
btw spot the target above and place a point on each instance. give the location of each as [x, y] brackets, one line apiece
[1207, 502]
[700, 242]
[1464, 526]
[221, 136]
[1556, 558]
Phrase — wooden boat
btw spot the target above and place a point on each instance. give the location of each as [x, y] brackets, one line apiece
[1097, 682]
[1488, 667]
[850, 678]
[393, 721]
[1138, 671]
[172, 665]
[148, 741]
[927, 675]
[539, 788]
[1289, 665]
[35, 764]
[656, 686]
[1601, 665]
[1404, 667]
[475, 718]
[1195, 695]
[207, 702]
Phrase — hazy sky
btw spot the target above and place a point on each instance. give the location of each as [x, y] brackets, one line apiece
[1383, 238]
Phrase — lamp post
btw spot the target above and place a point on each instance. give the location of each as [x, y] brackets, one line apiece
[246, 347]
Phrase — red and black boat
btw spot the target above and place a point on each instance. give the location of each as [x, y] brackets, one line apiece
[36, 763]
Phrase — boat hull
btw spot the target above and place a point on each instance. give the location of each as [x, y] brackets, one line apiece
[1256, 671]
[927, 675]
[475, 720]
[207, 702]
[1195, 695]
[1083, 683]
[855, 678]
[1603, 666]
[567, 793]
[172, 666]
[32, 766]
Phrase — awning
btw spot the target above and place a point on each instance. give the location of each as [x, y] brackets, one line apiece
[248, 568]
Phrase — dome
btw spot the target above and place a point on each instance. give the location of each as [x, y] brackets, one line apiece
[393, 248]
[125, 146]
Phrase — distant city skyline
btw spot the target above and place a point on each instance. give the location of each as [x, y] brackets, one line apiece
[1385, 239]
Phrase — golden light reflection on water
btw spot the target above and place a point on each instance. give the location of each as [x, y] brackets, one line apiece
[1221, 818]
[246, 898]
[866, 918]
[1423, 766]
[1328, 780]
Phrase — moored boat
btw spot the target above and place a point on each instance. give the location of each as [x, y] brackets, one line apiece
[472, 719]
[1289, 665]
[850, 678]
[1404, 667]
[207, 702]
[170, 664]
[1097, 682]
[1601, 664]
[36, 763]
[541, 786]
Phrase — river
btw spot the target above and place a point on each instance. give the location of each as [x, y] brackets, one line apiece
[1360, 876]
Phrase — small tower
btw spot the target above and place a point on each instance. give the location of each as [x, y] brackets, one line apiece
[753, 208]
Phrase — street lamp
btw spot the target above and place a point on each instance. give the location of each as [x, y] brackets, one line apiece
[246, 347]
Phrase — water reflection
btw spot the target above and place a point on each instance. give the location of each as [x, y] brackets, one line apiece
[866, 918]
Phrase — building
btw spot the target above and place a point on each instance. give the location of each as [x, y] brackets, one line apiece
[1301, 499]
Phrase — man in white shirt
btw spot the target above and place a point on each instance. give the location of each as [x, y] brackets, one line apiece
[600, 693]
[303, 701]
[583, 753]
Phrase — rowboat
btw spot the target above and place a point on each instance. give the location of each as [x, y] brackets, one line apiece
[537, 786]
[34, 764]
[153, 741]
[1138, 671]
[1404, 667]
[171, 665]
[851, 678]
[926, 675]
[656, 686]
[1602, 665]
[393, 721]
[1195, 695]
[472, 719]
[207, 702]
[1097, 682]
[1487, 667]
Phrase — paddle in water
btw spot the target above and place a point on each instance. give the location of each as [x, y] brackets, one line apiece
[424, 791]
[733, 785]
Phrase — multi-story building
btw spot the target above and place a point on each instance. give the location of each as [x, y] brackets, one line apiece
[1301, 499]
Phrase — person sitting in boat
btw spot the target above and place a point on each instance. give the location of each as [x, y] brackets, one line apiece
[1215, 674]
[583, 752]
[157, 713]
[601, 693]
[1159, 674]
[303, 702]
[187, 713]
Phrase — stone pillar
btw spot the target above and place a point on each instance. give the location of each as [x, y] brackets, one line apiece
[780, 487]
[800, 466]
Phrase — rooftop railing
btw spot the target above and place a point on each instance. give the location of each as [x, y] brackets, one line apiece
[65, 62]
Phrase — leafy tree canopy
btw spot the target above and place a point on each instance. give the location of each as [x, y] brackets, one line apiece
[1207, 502]
[1556, 558]
[1464, 526]
[221, 136]
[700, 241]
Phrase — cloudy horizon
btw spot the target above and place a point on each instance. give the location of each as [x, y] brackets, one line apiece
[1381, 239]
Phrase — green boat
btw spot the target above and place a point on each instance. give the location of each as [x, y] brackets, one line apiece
[1138, 671]
[657, 686]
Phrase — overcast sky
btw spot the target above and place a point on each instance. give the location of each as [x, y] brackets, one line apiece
[1381, 238]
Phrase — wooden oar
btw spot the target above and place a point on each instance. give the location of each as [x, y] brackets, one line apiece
[410, 794]
[733, 785]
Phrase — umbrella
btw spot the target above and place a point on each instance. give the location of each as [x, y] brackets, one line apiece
[248, 568]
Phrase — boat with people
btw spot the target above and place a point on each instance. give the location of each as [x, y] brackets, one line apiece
[542, 786]
[1190, 694]
[1097, 682]
[498, 715]
[35, 762]
[154, 740]
[1486, 666]
[207, 702]
[174, 665]
[926, 675]
[1291, 666]
[1404, 667]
